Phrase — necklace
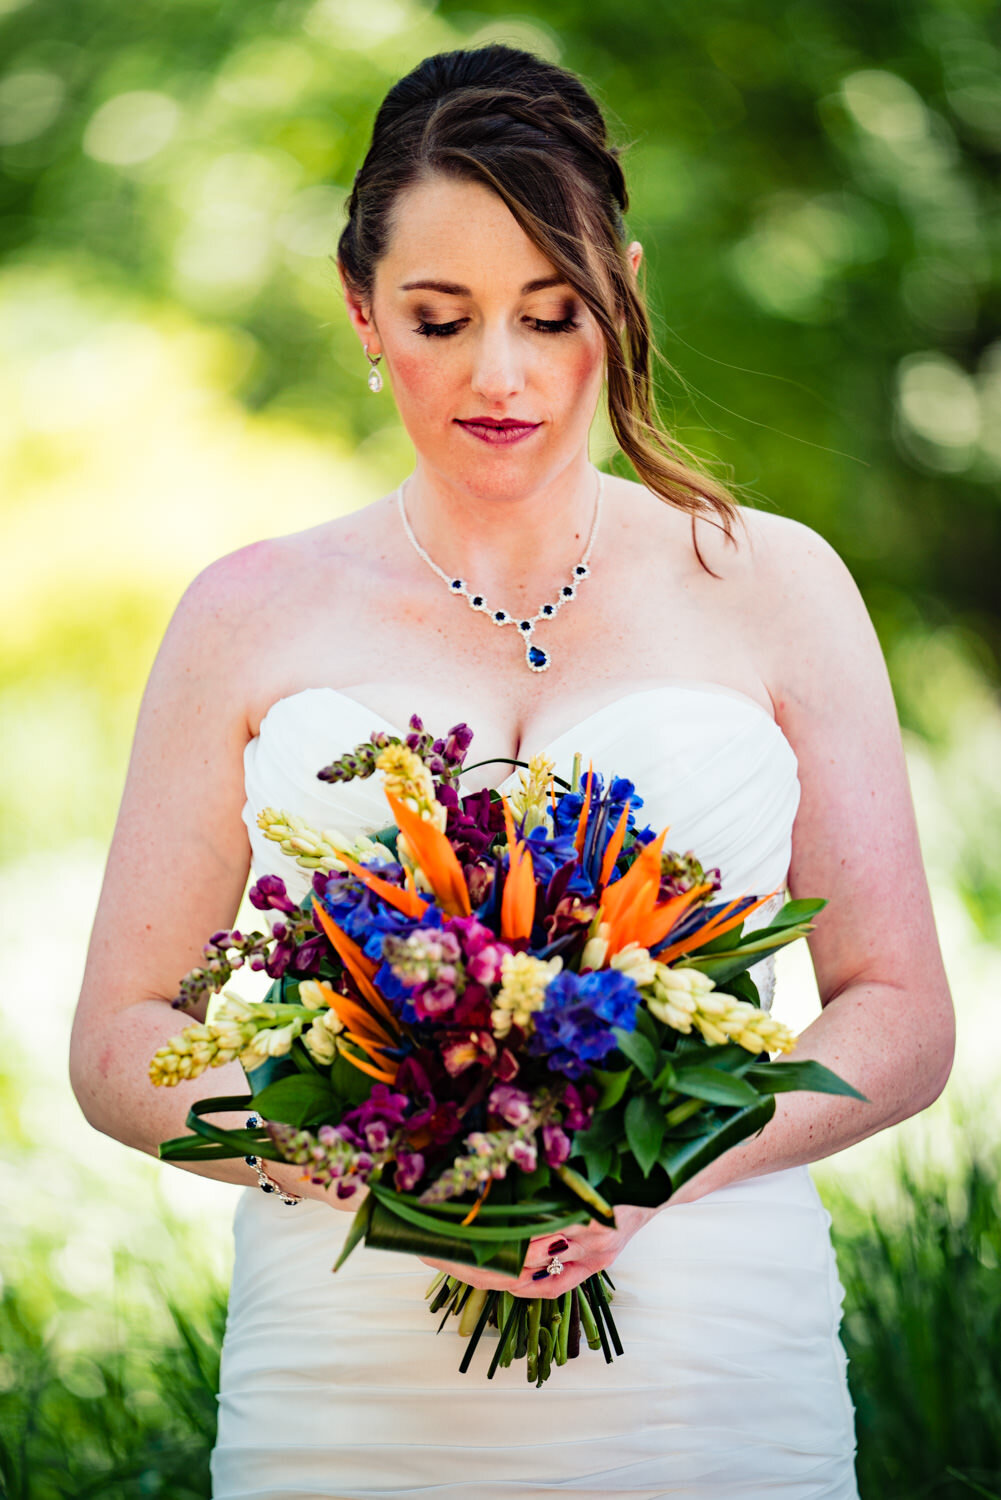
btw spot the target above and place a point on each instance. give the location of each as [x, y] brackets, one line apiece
[536, 659]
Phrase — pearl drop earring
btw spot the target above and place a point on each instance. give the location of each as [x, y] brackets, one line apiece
[374, 378]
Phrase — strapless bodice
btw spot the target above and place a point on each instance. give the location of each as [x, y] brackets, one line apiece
[709, 762]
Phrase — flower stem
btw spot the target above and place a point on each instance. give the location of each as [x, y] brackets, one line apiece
[684, 1111]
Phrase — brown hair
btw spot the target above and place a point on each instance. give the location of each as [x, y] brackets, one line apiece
[532, 132]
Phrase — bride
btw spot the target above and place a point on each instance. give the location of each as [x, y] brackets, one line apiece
[720, 657]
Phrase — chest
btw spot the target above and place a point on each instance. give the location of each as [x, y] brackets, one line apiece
[395, 637]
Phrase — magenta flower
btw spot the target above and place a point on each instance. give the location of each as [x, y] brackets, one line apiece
[513, 1105]
[524, 1154]
[555, 1144]
[409, 1170]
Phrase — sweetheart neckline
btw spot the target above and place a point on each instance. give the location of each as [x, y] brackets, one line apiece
[683, 684]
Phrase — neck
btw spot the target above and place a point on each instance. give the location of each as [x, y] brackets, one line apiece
[506, 545]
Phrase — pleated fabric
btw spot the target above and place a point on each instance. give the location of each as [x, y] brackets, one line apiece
[733, 1385]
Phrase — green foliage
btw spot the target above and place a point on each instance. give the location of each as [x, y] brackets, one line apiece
[130, 1416]
[922, 1327]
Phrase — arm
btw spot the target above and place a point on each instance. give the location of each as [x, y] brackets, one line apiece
[887, 1023]
[176, 871]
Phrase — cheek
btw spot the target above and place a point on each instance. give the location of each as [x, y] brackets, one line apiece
[583, 371]
[419, 379]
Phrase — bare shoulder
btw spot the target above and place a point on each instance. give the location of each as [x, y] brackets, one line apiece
[229, 616]
[814, 631]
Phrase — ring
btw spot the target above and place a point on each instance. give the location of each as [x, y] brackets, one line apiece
[555, 1267]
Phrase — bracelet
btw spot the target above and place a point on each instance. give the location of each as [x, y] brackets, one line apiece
[268, 1184]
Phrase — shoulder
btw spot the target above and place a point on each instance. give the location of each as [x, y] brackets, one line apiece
[239, 596]
[793, 596]
[775, 554]
[811, 621]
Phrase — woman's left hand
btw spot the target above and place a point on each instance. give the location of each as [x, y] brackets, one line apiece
[589, 1248]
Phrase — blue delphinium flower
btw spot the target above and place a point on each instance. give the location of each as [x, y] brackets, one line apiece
[362, 914]
[574, 1028]
[602, 819]
[549, 853]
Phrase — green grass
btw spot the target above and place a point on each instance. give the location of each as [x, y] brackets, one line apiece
[118, 1418]
[922, 1329]
[120, 1402]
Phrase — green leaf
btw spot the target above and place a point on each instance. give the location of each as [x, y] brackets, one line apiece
[743, 987]
[527, 1184]
[425, 1218]
[391, 1229]
[645, 1125]
[638, 1048]
[647, 1026]
[301, 1099]
[267, 1071]
[598, 1164]
[388, 836]
[714, 1085]
[612, 1085]
[606, 1130]
[794, 912]
[665, 1078]
[682, 1159]
[779, 1077]
[730, 1056]
[722, 943]
[724, 965]
[359, 1228]
[349, 1083]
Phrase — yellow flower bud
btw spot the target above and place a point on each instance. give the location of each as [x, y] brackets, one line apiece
[635, 961]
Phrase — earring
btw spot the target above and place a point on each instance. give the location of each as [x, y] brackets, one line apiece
[374, 378]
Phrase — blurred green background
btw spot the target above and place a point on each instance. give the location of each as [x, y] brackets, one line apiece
[816, 189]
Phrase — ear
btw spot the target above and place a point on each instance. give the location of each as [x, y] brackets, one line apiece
[359, 312]
[634, 255]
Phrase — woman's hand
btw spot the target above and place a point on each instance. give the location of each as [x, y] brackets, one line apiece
[583, 1250]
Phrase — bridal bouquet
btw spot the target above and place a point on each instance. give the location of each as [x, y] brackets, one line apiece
[497, 1017]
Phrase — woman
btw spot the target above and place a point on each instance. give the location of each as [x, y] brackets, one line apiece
[724, 660]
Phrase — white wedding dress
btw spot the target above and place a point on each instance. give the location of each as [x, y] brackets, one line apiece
[733, 1382]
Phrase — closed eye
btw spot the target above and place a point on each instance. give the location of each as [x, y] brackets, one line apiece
[542, 325]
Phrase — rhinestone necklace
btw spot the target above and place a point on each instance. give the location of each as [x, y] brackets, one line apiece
[536, 659]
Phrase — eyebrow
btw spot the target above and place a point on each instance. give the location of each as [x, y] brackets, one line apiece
[453, 289]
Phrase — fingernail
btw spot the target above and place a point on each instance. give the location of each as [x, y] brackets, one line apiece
[538, 1275]
[558, 1245]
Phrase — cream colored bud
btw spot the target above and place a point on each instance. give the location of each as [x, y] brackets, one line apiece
[593, 953]
[669, 1014]
[634, 960]
[711, 1033]
[319, 1043]
[315, 994]
[276, 1040]
[684, 982]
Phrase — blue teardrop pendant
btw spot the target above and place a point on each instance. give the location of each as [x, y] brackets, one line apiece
[537, 659]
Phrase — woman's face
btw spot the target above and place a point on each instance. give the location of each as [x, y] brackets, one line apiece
[464, 333]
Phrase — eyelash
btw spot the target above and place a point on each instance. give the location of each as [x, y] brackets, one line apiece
[445, 330]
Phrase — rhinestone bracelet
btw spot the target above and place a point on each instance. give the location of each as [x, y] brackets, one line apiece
[268, 1184]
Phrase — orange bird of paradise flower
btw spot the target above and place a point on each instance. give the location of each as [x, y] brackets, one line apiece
[436, 858]
[518, 898]
[630, 907]
[373, 1034]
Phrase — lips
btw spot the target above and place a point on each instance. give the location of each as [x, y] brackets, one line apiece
[506, 430]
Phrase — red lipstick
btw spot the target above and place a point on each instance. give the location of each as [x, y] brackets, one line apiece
[499, 431]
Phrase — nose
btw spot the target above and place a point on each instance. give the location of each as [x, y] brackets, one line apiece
[498, 365]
